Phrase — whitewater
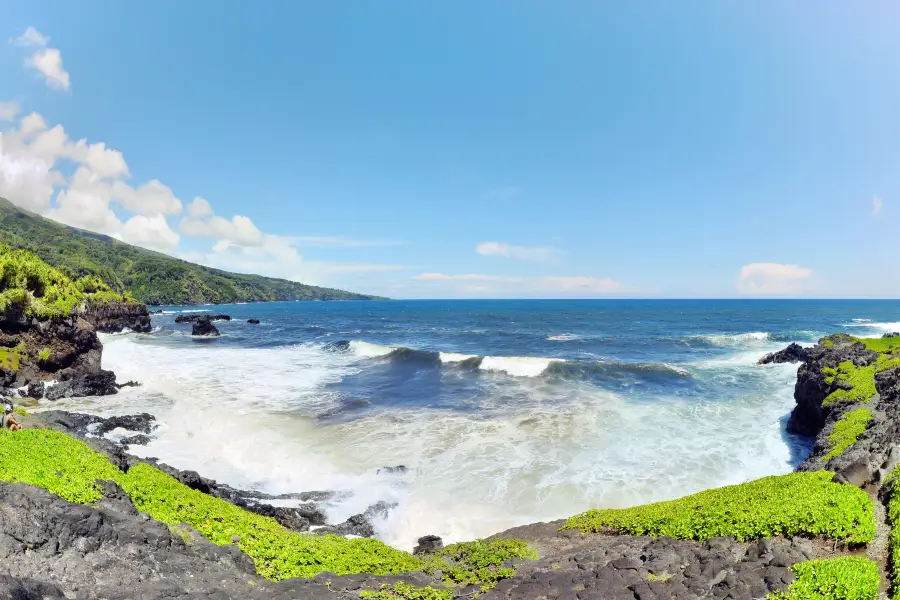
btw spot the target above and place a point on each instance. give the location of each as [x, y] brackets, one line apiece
[503, 412]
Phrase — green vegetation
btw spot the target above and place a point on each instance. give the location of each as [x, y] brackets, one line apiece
[893, 515]
[789, 505]
[151, 277]
[847, 431]
[882, 345]
[482, 562]
[44, 354]
[69, 469]
[846, 578]
[886, 362]
[405, 591]
[31, 287]
[10, 358]
[659, 577]
[862, 380]
[20, 411]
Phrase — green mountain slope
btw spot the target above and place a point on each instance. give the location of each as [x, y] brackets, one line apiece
[151, 277]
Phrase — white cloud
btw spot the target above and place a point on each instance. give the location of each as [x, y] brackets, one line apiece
[31, 37]
[25, 179]
[8, 110]
[151, 232]
[86, 209]
[528, 253]
[32, 124]
[199, 208]
[239, 230]
[505, 285]
[877, 205]
[49, 63]
[150, 199]
[773, 279]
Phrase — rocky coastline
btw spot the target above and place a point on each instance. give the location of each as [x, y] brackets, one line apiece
[847, 396]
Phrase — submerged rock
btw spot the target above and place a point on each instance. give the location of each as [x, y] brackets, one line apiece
[204, 327]
[791, 354]
[253, 321]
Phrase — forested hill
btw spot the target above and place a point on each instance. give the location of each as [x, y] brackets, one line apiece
[151, 277]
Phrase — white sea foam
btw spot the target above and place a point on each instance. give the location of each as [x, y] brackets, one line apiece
[368, 350]
[533, 451]
[518, 366]
[737, 339]
[563, 337]
[453, 357]
[889, 326]
[862, 320]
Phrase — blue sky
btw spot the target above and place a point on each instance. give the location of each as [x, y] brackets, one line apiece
[470, 149]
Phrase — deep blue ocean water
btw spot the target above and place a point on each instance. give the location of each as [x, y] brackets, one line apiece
[505, 412]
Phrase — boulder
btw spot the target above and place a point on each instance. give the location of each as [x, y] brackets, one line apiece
[253, 321]
[791, 354]
[102, 383]
[428, 544]
[204, 327]
[114, 317]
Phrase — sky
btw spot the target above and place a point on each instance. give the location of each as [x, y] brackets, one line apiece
[509, 148]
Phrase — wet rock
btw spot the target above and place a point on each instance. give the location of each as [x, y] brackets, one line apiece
[102, 383]
[890, 335]
[195, 318]
[398, 470]
[204, 327]
[253, 321]
[35, 390]
[791, 354]
[360, 525]
[428, 544]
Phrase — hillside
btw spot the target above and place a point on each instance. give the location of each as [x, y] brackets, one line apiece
[151, 277]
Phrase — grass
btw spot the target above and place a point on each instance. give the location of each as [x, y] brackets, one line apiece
[846, 431]
[808, 504]
[845, 578]
[68, 468]
[881, 345]
[862, 380]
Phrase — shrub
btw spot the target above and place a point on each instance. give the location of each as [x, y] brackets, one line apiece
[847, 430]
[11, 358]
[482, 562]
[845, 578]
[794, 504]
[31, 286]
[44, 354]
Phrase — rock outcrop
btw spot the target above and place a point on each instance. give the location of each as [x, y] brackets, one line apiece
[195, 318]
[203, 327]
[115, 317]
[253, 321]
[791, 354]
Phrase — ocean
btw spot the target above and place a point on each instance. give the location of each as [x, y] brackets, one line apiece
[504, 412]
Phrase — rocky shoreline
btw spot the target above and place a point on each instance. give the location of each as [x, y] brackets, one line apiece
[847, 398]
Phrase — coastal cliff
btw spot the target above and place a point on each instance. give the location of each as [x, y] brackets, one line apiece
[822, 532]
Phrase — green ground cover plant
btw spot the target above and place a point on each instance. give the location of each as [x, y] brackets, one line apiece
[845, 578]
[806, 503]
[893, 514]
[846, 431]
[68, 468]
[882, 345]
[11, 358]
[405, 591]
[862, 380]
[32, 287]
